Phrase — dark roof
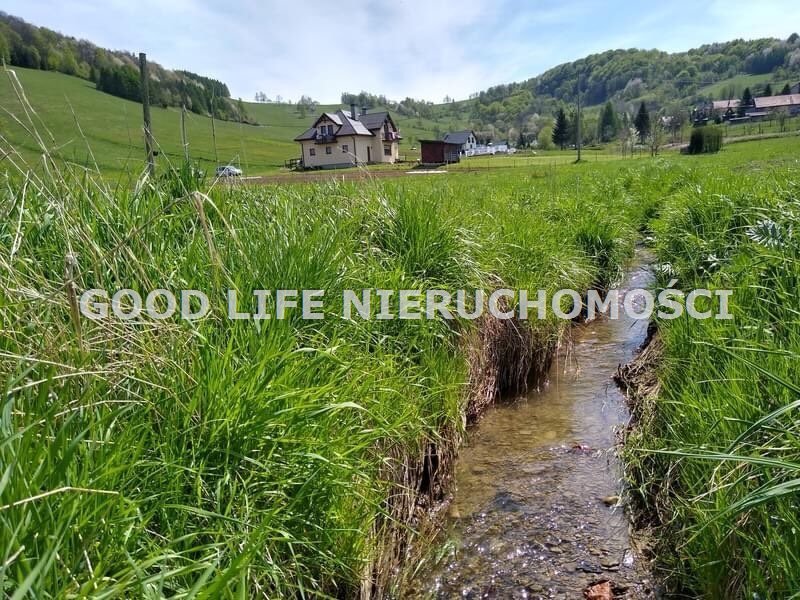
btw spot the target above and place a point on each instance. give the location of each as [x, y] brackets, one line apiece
[346, 126]
[330, 116]
[458, 137]
[308, 134]
[374, 120]
[442, 142]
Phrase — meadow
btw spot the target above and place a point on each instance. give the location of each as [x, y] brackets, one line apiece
[224, 458]
[295, 458]
[99, 131]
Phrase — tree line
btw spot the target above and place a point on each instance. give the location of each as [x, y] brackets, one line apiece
[116, 73]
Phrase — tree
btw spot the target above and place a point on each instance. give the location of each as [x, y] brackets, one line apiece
[608, 125]
[545, 138]
[560, 134]
[69, 65]
[655, 138]
[786, 90]
[521, 139]
[642, 123]
[676, 118]
[5, 49]
[768, 90]
[745, 102]
[782, 116]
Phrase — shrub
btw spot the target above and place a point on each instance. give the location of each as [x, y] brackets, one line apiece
[705, 140]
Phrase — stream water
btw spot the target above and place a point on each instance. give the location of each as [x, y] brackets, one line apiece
[535, 512]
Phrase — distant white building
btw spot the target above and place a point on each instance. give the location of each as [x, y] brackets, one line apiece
[466, 139]
[491, 149]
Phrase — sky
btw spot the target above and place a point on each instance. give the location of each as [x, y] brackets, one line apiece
[425, 49]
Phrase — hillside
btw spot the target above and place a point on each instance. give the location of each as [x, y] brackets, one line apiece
[671, 82]
[71, 75]
[111, 128]
[115, 72]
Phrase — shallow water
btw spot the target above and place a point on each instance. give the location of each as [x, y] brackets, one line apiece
[530, 517]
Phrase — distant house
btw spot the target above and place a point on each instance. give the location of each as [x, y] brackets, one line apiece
[341, 139]
[439, 152]
[762, 106]
[466, 139]
[795, 89]
[725, 108]
[788, 102]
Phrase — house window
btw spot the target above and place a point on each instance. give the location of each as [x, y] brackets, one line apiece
[345, 148]
[327, 149]
[387, 150]
[312, 152]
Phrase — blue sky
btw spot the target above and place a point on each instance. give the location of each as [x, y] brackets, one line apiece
[418, 48]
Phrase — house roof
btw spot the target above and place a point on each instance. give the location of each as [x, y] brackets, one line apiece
[374, 120]
[724, 104]
[458, 137]
[345, 126]
[778, 101]
[351, 126]
[308, 134]
[439, 142]
[330, 116]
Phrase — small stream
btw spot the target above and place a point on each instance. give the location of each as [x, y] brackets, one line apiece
[535, 512]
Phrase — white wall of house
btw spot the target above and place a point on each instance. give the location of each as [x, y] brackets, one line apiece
[383, 151]
[338, 156]
[378, 149]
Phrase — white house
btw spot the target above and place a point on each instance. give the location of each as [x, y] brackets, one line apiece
[465, 139]
[338, 139]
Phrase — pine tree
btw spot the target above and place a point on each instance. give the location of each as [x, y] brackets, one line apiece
[768, 90]
[561, 129]
[642, 123]
[746, 101]
[786, 90]
[608, 125]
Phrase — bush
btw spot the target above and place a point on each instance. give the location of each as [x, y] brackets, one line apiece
[705, 140]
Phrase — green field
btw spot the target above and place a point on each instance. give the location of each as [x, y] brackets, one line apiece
[90, 128]
[735, 86]
[225, 458]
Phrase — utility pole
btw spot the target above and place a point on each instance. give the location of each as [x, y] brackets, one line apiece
[579, 119]
[148, 133]
[183, 134]
[214, 129]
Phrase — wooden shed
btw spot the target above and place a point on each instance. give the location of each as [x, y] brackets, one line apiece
[439, 152]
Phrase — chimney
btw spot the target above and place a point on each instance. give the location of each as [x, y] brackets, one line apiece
[353, 110]
[364, 110]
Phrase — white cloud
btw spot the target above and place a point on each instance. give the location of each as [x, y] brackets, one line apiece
[419, 48]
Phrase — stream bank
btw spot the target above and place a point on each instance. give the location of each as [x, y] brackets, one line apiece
[536, 511]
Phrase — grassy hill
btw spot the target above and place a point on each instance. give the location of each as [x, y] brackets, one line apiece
[82, 122]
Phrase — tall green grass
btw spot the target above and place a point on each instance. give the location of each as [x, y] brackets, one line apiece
[717, 457]
[224, 458]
